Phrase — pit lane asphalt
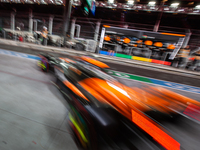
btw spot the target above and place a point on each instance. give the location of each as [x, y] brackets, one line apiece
[172, 76]
[33, 112]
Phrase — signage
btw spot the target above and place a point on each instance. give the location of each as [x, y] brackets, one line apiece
[102, 37]
[91, 6]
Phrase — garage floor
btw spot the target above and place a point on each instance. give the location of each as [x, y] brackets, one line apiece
[33, 112]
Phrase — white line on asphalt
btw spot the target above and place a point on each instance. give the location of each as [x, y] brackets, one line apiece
[157, 85]
[152, 78]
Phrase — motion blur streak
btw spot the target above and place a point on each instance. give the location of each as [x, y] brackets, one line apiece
[67, 60]
[78, 135]
[41, 65]
[94, 62]
[172, 34]
[193, 111]
[164, 139]
[119, 89]
[78, 129]
[177, 96]
[74, 89]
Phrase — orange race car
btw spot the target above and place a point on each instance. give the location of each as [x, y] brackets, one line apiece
[92, 93]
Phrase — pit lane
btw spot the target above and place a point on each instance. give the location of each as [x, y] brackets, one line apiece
[33, 112]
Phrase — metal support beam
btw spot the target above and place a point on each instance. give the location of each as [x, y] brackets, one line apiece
[156, 26]
[12, 25]
[102, 37]
[72, 28]
[50, 24]
[78, 30]
[96, 34]
[35, 25]
[30, 21]
[187, 38]
[66, 17]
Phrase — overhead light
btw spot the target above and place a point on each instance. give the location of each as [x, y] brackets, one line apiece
[110, 1]
[126, 6]
[197, 7]
[196, 11]
[130, 1]
[152, 3]
[174, 4]
[166, 8]
[181, 10]
[190, 3]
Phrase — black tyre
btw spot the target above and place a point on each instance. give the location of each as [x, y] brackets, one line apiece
[79, 47]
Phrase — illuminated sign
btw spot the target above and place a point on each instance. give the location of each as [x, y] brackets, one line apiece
[91, 6]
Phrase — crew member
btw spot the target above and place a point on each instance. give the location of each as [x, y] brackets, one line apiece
[197, 60]
[183, 56]
[44, 34]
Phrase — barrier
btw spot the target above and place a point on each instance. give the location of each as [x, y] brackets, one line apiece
[130, 52]
[136, 58]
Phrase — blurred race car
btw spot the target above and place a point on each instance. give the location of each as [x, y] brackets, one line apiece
[103, 107]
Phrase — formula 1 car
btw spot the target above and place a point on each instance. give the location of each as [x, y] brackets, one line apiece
[104, 110]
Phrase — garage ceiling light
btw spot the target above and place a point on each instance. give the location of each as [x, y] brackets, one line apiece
[190, 3]
[181, 10]
[198, 7]
[152, 3]
[166, 8]
[130, 1]
[110, 1]
[174, 4]
[196, 11]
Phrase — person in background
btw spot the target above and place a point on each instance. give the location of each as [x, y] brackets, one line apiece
[196, 61]
[183, 56]
[44, 34]
[21, 25]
